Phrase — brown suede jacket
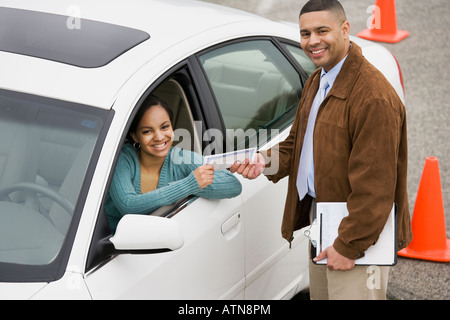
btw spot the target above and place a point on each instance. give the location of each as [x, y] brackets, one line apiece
[360, 156]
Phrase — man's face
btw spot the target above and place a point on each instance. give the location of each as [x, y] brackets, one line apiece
[324, 38]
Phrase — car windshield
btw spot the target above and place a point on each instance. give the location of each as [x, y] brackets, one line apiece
[45, 149]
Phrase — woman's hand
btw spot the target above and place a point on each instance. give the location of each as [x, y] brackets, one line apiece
[204, 175]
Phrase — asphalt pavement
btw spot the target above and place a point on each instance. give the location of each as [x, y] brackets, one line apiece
[424, 58]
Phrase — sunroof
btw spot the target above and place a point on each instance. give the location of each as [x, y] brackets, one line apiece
[75, 41]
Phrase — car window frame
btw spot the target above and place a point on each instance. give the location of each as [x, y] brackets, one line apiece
[101, 250]
[283, 44]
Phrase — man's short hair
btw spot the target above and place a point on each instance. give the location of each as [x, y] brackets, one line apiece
[324, 5]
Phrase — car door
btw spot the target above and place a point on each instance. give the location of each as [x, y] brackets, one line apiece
[257, 88]
[210, 263]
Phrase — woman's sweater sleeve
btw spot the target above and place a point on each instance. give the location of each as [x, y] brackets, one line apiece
[225, 184]
[128, 201]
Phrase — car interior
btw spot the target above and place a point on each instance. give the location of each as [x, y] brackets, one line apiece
[44, 155]
[255, 88]
[172, 92]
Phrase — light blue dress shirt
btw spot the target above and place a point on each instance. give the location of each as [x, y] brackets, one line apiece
[305, 178]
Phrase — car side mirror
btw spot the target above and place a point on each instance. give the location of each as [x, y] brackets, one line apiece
[142, 232]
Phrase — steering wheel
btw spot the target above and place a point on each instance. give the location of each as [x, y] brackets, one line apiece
[31, 191]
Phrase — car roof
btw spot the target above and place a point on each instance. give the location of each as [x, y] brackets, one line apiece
[87, 43]
[175, 29]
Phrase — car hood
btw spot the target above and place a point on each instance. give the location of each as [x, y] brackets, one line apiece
[20, 291]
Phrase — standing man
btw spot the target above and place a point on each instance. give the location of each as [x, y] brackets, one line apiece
[348, 143]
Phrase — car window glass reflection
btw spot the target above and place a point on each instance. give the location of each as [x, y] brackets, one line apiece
[257, 89]
[44, 155]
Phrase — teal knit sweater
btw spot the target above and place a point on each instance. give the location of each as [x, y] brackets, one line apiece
[176, 181]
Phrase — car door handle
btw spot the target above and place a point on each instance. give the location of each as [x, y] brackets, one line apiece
[231, 226]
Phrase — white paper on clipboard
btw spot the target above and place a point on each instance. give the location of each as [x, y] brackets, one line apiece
[324, 230]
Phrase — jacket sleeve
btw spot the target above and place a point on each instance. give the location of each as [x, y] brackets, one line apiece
[280, 158]
[372, 171]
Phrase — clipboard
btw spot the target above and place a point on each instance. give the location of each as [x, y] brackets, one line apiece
[323, 231]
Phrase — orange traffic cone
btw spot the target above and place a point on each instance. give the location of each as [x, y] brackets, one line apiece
[383, 24]
[428, 222]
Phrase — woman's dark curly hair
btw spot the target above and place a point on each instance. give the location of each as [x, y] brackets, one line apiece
[149, 102]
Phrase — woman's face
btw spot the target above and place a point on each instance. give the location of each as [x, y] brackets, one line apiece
[154, 132]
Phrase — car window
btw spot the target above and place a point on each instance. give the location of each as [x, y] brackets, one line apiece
[301, 58]
[257, 90]
[45, 151]
[171, 90]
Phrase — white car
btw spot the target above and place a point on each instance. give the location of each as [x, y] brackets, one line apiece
[73, 74]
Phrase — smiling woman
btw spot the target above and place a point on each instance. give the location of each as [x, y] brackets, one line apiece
[150, 173]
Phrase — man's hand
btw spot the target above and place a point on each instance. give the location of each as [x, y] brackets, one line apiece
[249, 169]
[335, 261]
